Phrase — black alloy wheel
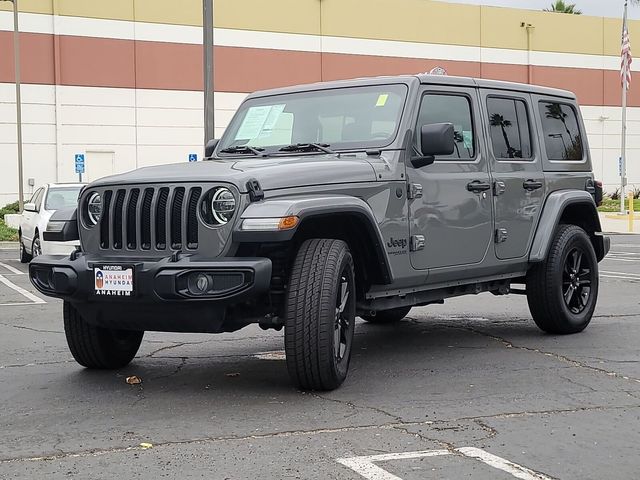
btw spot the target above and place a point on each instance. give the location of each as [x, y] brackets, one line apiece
[577, 278]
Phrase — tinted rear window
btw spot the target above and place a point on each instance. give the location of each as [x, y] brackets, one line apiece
[509, 126]
[561, 131]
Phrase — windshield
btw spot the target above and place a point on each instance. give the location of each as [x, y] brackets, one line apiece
[344, 118]
[59, 198]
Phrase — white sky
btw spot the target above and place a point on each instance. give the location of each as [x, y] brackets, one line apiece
[599, 8]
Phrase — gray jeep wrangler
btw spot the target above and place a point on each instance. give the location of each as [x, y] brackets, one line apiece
[325, 202]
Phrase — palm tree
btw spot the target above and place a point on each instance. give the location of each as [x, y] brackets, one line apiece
[560, 7]
[497, 120]
[554, 110]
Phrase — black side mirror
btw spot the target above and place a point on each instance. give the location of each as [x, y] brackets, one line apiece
[210, 147]
[435, 139]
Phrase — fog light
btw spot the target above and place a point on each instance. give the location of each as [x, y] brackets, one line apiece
[199, 283]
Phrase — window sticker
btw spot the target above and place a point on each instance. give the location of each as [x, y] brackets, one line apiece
[273, 116]
[382, 99]
[467, 138]
[258, 119]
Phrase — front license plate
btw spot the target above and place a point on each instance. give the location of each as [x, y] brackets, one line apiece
[113, 280]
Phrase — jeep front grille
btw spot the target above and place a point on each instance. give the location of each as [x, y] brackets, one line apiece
[151, 218]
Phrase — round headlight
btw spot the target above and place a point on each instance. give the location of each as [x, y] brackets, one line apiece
[223, 205]
[94, 208]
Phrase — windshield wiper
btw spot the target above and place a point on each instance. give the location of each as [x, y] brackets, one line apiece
[307, 147]
[243, 149]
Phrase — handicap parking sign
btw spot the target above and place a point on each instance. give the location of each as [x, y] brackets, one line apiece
[193, 157]
[79, 162]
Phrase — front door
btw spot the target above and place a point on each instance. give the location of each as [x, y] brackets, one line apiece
[453, 212]
[30, 219]
[516, 167]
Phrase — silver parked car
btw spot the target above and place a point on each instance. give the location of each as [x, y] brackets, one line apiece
[325, 202]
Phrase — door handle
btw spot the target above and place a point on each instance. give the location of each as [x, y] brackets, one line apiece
[477, 186]
[531, 185]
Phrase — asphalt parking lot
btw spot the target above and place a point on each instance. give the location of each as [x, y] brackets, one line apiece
[468, 389]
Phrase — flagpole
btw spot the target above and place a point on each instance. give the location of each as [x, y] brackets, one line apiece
[623, 153]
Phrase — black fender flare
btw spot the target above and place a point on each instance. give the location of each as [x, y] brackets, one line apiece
[554, 207]
[313, 206]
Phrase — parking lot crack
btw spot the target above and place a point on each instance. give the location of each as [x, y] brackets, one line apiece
[169, 347]
[33, 364]
[22, 327]
[559, 411]
[183, 361]
[402, 426]
[358, 406]
[556, 356]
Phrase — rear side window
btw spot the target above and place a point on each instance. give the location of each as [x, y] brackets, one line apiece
[455, 109]
[510, 131]
[561, 131]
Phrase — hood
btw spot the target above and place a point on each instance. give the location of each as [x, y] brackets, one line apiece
[272, 172]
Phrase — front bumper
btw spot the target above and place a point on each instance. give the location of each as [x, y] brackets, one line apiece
[160, 299]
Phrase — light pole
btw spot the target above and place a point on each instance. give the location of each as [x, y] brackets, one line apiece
[207, 65]
[16, 58]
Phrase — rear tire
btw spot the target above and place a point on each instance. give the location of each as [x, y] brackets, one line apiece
[392, 315]
[96, 347]
[320, 315]
[24, 256]
[562, 291]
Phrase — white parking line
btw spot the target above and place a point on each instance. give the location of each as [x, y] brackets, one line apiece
[21, 291]
[11, 269]
[366, 467]
[623, 275]
[518, 471]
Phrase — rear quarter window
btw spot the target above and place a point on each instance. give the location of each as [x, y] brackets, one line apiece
[561, 132]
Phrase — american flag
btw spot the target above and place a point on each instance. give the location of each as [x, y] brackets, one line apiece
[625, 67]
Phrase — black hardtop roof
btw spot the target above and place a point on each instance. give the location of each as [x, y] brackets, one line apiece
[424, 79]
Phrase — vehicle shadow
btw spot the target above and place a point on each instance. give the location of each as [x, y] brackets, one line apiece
[429, 345]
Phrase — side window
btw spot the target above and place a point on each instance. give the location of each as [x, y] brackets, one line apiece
[561, 130]
[450, 108]
[509, 126]
[33, 197]
[37, 197]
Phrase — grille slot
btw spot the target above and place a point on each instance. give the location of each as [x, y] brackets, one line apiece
[131, 219]
[161, 219]
[150, 218]
[117, 219]
[176, 218]
[104, 220]
[192, 218]
[145, 229]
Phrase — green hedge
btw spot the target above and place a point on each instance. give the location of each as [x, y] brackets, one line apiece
[10, 208]
[8, 234]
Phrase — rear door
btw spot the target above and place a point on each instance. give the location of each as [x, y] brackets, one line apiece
[452, 212]
[516, 166]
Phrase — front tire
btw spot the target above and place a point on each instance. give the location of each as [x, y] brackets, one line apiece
[96, 347]
[24, 256]
[320, 315]
[392, 315]
[562, 291]
[36, 246]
